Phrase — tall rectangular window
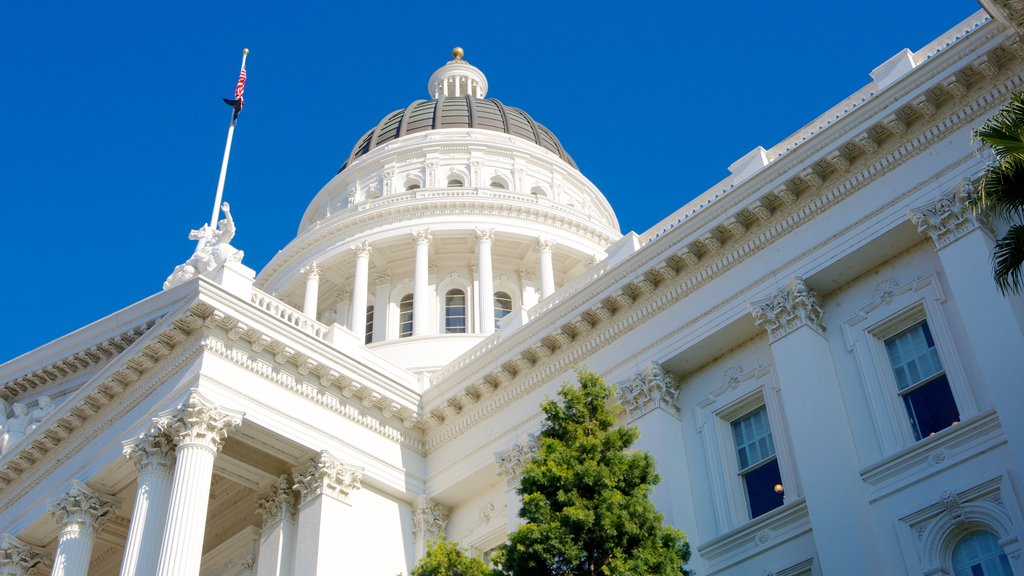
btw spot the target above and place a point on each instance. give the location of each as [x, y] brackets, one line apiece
[455, 312]
[921, 381]
[405, 316]
[759, 467]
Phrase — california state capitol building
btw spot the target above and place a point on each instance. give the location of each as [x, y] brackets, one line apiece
[813, 351]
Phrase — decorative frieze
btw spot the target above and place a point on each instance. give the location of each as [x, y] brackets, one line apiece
[650, 389]
[788, 309]
[84, 507]
[326, 475]
[949, 217]
[429, 518]
[20, 559]
[278, 504]
[510, 462]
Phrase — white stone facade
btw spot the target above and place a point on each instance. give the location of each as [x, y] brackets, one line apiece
[238, 426]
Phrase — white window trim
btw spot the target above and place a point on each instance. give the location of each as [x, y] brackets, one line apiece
[740, 393]
[455, 281]
[895, 308]
[394, 309]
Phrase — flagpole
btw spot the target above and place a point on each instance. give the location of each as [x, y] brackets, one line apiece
[227, 154]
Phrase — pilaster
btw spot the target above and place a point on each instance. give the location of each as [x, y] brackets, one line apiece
[277, 538]
[324, 486]
[429, 521]
[510, 465]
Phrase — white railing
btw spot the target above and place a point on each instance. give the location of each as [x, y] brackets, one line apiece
[288, 314]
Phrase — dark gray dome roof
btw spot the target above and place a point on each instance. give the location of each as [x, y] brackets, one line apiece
[457, 112]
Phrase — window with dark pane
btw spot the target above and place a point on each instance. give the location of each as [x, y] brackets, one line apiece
[759, 467]
[405, 316]
[921, 381]
[502, 306]
[369, 325]
[455, 312]
[978, 553]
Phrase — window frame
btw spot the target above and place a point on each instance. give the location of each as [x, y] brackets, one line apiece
[411, 299]
[465, 310]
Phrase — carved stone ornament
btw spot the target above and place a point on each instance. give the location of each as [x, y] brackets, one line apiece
[278, 503]
[83, 506]
[949, 217]
[429, 518]
[423, 236]
[485, 235]
[788, 309]
[362, 248]
[327, 475]
[198, 421]
[18, 558]
[510, 462]
[951, 502]
[152, 451]
[650, 389]
[213, 250]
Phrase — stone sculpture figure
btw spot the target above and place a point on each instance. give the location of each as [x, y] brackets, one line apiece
[43, 409]
[16, 427]
[213, 250]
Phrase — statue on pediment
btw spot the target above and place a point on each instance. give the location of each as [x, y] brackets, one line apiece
[16, 427]
[213, 250]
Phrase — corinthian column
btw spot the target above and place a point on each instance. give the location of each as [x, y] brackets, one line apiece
[309, 303]
[547, 271]
[510, 466]
[324, 486]
[18, 558]
[277, 539]
[484, 240]
[198, 428]
[360, 288]
[79, 513]
[153, 454]
[429, 520]
[420, 286]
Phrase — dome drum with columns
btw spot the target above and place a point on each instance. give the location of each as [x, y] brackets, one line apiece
[452, 200]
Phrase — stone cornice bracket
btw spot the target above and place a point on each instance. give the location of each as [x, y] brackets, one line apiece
[278, 503]
[788, 309]
[362, 248]
[84, 507]
[423, 236]
[198, 421]
[949, 217]
[326, 475]
[652, 388]
[429, 518]
[510, 462]
[152, 451]
[18, 558]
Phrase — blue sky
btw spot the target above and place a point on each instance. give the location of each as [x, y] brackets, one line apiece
[112, 126]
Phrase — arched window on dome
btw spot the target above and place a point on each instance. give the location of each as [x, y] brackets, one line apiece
[499, 183]
[455, 312]
[538, 192]
[369, 325]
[405, 316]
[412, 184]
[978, 553]
[456, 181]
[502, 306]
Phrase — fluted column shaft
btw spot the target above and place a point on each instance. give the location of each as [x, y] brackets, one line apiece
[486, 312]
[309, 303]
[421, 286]
[79, 514]
[547, 271]
[360, 288]
[154, 454]
[199, 429]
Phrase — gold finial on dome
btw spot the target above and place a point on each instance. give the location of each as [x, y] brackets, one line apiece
[458, 52]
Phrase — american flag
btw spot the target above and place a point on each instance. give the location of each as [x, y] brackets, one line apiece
[239, 101]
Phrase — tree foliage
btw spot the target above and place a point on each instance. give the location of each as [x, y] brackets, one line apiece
[1002, 190]
[444, 558]
[585, 497]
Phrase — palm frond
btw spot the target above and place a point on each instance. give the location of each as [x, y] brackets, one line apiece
[1008, 260]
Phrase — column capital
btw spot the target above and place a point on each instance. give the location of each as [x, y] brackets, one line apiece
[788, 309]
[362, 249]
[198, 421]
[652, 388]
[278, 503]
[152, 451]
[383, 277]
[83, 506]
[423, 236]
[429, 518]
[510, 462]
[949, 217]
[485, 235]
[545, 244]
[311, 271]
[18, 558]
[325, 474]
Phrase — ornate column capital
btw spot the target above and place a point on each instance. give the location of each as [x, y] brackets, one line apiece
[83, 506]
[510, 462]
[326, 475]
[311, 271]
[198, 421]
[278, 503]
[949, 217]
[648, 390]
[422, 236]
[788, 309]
[545, 244]
[485, 235]
[18, 558]
[429, 518]
[152, 451]
[362, 249]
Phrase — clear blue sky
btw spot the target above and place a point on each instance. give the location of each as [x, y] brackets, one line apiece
[112, 126]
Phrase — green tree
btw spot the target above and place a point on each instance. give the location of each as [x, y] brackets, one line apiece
[1002, 190]
[585, 497]
[445, 558]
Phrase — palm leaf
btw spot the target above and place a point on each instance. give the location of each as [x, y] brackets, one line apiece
[1008, 260]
